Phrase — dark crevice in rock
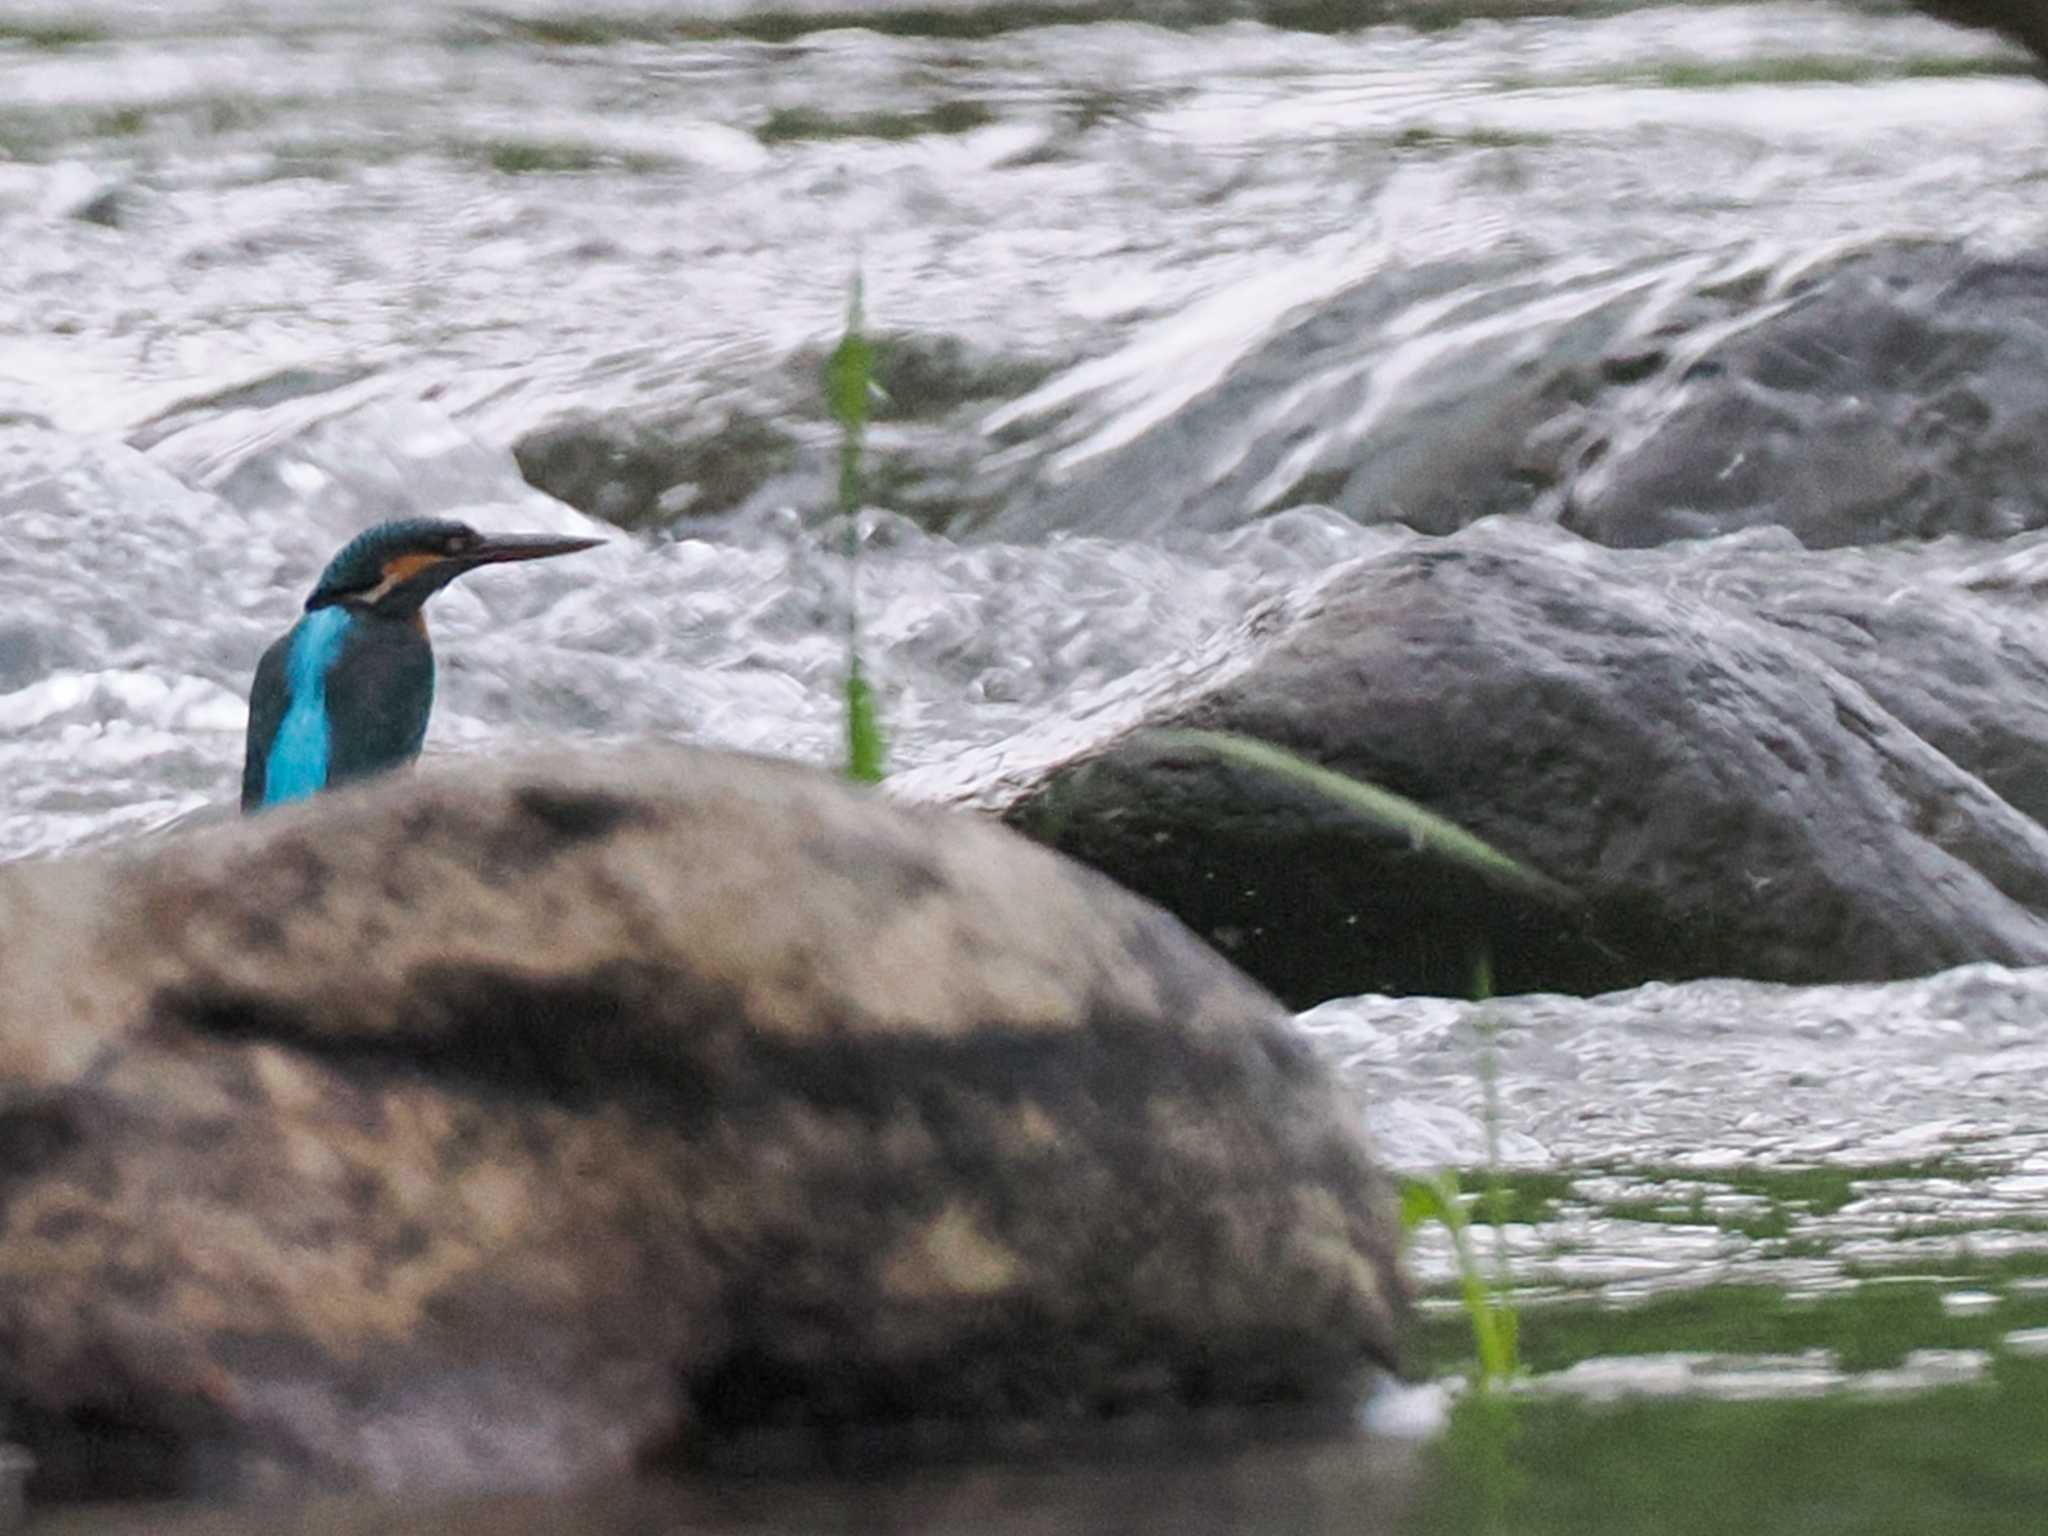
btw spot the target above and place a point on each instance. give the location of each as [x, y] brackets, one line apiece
[862, 1415]
[35, 1130]
[565, 818]
[676, 1044]
[110, 1448]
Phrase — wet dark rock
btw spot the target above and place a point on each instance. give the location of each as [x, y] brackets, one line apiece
[778, 448]
[508, 1128]
[1902, 396]
[922, 377]
[1721, 799]
[1949, 640]
[641, 474]
[1283, 425]
[2024, 21]
[112, 206]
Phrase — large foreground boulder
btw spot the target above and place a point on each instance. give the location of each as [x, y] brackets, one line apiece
[509, 1129]
[1721, 800]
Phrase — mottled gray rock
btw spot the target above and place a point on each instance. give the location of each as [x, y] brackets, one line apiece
[930, 376]
[1886, 395]
[2024, 21]
[640, 474]
[1951, 638]
[1296, 413]
[769, 441]
[1721, 798]
[508, 1127]
[1899, 396]
[112, 205]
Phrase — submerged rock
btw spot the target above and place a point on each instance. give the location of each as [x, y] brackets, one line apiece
[507, 1129]
[641, 474]
[2024, 21]
[1721, 799]
[766, 440]
[1899, 396]
[1900, 393]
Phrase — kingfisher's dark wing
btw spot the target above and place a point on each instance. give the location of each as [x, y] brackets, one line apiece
[380, 692]
[267, 700]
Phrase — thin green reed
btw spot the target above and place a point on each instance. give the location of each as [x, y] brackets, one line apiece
[1476, 1452]
[1488, 1027]
[1495, 1324]
[849, 382]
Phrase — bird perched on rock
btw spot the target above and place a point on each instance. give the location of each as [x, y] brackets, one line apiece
[347, 691]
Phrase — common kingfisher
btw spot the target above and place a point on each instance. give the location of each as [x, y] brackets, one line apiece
[347, 690]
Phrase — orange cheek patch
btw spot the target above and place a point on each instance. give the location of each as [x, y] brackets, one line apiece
[404, 567]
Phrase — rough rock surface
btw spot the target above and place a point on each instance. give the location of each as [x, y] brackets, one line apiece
[766, 440]
[1898, 396]
[1721, 798]
[2024, 21]
[1895, 393]
[507, 1129]
[1950, 637]
[647, 474]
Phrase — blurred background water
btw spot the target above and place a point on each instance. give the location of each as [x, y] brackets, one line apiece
[273, 273]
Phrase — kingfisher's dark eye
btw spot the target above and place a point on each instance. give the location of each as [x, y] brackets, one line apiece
[456, 543]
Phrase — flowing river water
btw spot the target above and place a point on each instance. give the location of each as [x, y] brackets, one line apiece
[269, 273]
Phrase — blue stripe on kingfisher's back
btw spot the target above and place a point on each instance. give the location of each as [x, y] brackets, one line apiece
[299, 754]
[347, 692]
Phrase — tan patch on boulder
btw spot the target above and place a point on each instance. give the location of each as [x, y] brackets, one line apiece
[950, 1256]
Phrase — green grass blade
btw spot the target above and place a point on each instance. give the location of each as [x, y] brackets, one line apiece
[849, 379]
[848, 385]
[1489, 1086]
[851, 367]
[1496, 1326]
[1421, 1201]
[1494, 1323]
[1426, 830]
[864, 751]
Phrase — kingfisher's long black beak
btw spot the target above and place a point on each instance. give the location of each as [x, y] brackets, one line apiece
[497, 548]
[411, 579]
